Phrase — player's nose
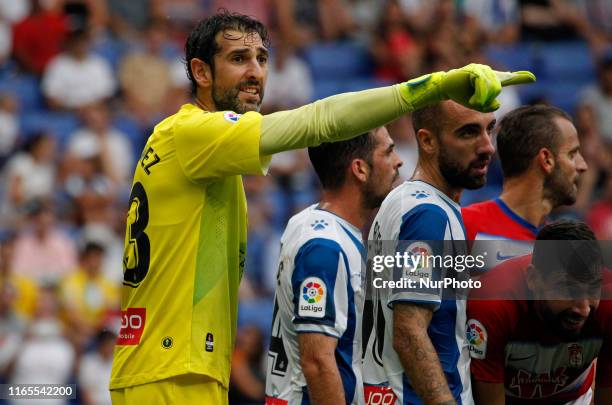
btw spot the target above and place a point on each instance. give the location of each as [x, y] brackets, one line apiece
[486, 144]
[582, 307]
[581, 164]
[255, 70]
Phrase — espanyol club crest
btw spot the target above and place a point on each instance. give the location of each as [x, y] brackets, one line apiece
[575, 355]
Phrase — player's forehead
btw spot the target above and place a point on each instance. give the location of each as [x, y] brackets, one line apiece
[455, 116]
[568, 135]
[382, 137]
[231, 39]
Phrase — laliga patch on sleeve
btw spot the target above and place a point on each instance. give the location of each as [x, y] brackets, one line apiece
[313, 297]
[231, 116]
[476, 335]
[418, 264]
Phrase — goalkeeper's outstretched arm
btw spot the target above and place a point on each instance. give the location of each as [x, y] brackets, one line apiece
[350, 114]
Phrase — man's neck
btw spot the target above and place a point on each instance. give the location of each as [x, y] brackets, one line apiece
[205, 103]
[430, 174]
[525, 197]
[348, 205]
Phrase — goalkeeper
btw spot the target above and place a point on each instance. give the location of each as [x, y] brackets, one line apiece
[185, 237]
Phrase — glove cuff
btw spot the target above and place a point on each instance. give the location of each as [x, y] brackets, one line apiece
[423, 91]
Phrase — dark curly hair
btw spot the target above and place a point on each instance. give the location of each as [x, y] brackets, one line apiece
[201, 42]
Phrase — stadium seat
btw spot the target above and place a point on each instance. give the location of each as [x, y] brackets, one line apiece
[338, 60]
[517, 57]
[111, 50]
[566, 61]
[563, 94]
[59, 124]
[25, 88]
[325, 88]
[364, 83]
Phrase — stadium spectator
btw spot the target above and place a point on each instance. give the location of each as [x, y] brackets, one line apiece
[12, 326]
[30, 174]
[187, 187]
[77, 77]
[540, 347]
[407, 332]
[598, 98]
[549, 20]
[39, 38]
[247, 382]
[22, 290]
[402, 132]
[14, 11]
[539, 151]
[321, 253]
[128, 18]
[94, 370]
[396, 53]
[290, 81]
[145, 76]
[87, 296]
[90, 188]
[97, 136]
[497, 19]
[599, 216]
[43, 253]
[597, 28]
[9, 126]
[45, 355]
[597, 155]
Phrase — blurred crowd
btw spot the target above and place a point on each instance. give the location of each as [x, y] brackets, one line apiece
[83, 82]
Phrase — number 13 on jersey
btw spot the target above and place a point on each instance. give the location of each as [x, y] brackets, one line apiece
[137, 249]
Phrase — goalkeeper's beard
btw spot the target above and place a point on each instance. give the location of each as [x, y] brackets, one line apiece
[229, 99]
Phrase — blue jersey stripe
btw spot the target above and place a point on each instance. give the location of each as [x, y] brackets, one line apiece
[344, 350]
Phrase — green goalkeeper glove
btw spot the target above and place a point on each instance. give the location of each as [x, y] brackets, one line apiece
[474, 86]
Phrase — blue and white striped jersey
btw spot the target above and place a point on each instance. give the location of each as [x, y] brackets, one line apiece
[319, 290]
[420, 215]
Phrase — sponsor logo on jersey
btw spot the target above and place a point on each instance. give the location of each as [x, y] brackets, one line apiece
[379, 395]
[132, 326]
[476, 335]
[167, 342]
[231, 116]
[313, 299]
[210, 342]
[575, 355]
[532, 385]
[275, 401]
[418, 266]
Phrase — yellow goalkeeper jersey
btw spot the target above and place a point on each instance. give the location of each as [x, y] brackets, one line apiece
[185, 247]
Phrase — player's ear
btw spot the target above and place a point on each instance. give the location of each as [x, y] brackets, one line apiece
[202, 72]
[360, 169]
[546, 160]
[427, 141]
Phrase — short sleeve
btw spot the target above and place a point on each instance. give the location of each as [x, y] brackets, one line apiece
[487, 333]
[421, 236]
[214, 145]
[319, 284]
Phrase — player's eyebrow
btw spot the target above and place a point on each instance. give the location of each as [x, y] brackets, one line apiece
[247, 50]
[492, 124]
[390, 147]
[471, 127]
